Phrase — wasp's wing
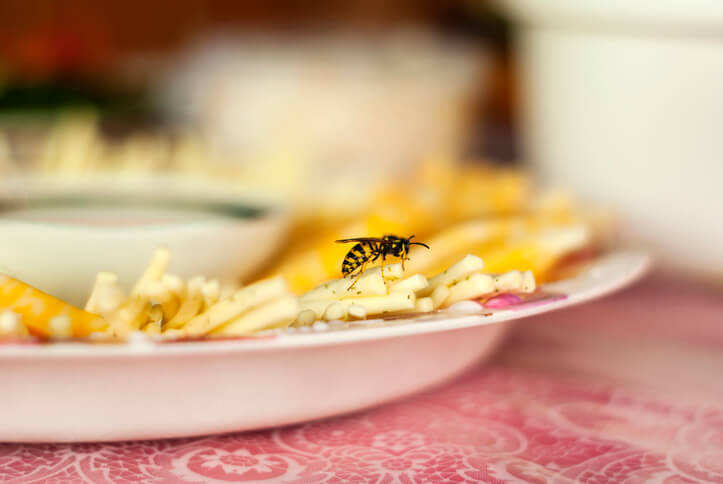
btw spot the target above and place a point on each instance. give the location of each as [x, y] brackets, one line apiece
[360, 239]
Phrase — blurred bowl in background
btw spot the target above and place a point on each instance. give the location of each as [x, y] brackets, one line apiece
[622, 103]
[349, 108]
[59, 232]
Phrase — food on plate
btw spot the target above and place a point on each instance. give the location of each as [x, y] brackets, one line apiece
[42, 314]
[161, 303]
[408, 293]
[164, 306]
[486, 235]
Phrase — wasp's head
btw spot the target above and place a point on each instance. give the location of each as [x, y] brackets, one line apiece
[408, 242]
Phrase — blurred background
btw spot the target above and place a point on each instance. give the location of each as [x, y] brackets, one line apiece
[437, 73]
[414, 114]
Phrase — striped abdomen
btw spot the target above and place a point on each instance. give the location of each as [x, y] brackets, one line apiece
[358, 255]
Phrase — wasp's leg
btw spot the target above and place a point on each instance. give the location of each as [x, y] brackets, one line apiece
[361, 271]
[384, 276]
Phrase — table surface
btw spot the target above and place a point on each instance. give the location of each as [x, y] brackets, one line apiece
[626, 389]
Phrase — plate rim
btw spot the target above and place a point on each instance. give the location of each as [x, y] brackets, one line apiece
[638, 264]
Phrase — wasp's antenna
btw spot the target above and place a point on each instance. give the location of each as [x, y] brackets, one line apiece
[419, 243]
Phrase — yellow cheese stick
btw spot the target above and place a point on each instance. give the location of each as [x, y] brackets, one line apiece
[11, 326]
[37, 309]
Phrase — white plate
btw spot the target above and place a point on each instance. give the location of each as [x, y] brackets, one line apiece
[81, 392]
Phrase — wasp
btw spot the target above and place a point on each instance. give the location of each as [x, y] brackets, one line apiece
[369, 249]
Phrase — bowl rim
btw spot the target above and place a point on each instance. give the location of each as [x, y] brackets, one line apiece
[158, 188]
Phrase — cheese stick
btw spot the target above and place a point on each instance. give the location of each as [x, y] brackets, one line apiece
[159, 294]
[356, 311]
[438, 296]
[508, 282]
[471, 287]
[106, 295]
[369, 284]
[396, 301]
[243, 300]
[158, 265]
[11, 325]
[36, 308]
[460, 270]
[211, 291]
[514, 281]
[191, 305]
[528, 282]
[305, 318]
[414, 283]
[61, 326]
[130, 317]
[333, 311]
[423, 305]
[274, 313]
[228, 289]
[175, 285]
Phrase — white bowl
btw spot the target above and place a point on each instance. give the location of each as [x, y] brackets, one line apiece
[60, 248]
[622, 103]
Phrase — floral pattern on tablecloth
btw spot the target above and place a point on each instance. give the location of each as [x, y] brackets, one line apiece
[497, 425]
[561, 403]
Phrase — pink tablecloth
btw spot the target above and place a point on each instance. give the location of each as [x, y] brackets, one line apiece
[628, 389]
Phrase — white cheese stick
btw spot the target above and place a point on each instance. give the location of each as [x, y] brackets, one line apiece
[471, 287]
[229, 288]
[370, 283]
[159, 295]
[130, 316]
[514, 281]
[211, 292]
[333, 311]
[469, 264]
[305, 318]
[414, 283]
[106, 296]
[423, 305]
[155, 315]
[155, 320]
[528, 282]
[396, 301]
[158, 265]
[190, 305]
[152, 328]
[275, 313]
[508, 282]
[438, 296]
[174, 284]
[243, 300]
[356, 311]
